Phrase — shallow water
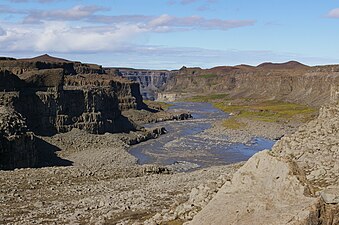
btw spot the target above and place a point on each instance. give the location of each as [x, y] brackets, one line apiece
[183, 141]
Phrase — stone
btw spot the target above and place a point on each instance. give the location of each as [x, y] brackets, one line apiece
[330, 195]
[265, 190]
[17, 143]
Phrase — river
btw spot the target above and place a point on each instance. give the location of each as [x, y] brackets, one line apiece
[186, 144]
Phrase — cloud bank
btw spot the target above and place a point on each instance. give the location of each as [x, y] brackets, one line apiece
[85, 28]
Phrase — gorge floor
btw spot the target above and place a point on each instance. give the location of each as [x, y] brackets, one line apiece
[191, 144]
[105, 185]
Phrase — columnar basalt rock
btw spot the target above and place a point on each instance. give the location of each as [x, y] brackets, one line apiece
[50, 96]
[43, 90]
[17, 144]
[151, 81]
[9, 82]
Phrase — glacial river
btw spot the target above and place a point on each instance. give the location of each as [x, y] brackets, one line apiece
[186, 142]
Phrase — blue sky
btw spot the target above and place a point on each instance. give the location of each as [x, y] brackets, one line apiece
[167, 34]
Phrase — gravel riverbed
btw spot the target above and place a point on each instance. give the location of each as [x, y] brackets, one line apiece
[104, 184]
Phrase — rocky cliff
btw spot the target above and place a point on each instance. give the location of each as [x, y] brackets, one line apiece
[289, 82]
[295, 183]
[17, 144]
[55, 95]
[151, 81]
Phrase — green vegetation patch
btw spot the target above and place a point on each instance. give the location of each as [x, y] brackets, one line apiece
[157, 105]
[260, 110]
[269, 111]
[233, 124]
[206, 98]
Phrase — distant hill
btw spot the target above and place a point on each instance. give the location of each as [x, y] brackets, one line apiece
[46, 58]
[283, 66]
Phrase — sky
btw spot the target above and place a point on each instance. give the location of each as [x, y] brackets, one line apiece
[169, 34]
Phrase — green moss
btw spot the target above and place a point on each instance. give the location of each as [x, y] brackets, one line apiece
[254, 109]
[206, 98]
[233, 124]
[269, 111]
[157, 105]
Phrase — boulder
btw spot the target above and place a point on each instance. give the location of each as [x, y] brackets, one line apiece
[266, 190]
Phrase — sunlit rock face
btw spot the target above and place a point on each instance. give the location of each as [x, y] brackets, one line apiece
[295, 183]
[151, 81]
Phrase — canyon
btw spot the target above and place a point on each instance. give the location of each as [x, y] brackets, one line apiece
[291, 81]
[50, 95]
[67, 129]
[151, 81]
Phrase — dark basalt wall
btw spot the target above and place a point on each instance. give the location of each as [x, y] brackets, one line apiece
[44, 100]
[17, 144]
[151, 81]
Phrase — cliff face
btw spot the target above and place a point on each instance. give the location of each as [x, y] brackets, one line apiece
[127, 92]
[17, 144]
[9, 82]
[52, 101]
[307, 85]
[295, 183]
[151, 81]
[81, 104]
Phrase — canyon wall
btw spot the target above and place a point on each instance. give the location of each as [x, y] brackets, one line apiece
[17, 144]
[291, 81]
[151, 81]
[52, 95]
[306, 85]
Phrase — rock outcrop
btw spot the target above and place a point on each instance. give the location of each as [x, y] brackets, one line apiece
[17, 144]
[44, 62]
[51, 95]
[151, 81]
[288, 82]
[295, 183]
[9, 82]
[46, 91]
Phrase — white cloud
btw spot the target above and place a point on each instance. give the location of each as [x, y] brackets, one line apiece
[55, 30]
[119, 19]
[61, 37]
[334, 13]
[117, 33]
[78, 12]
[162, 23]
[2, 32]
[197, 22]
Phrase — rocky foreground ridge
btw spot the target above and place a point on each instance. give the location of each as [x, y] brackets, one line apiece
[295, 183]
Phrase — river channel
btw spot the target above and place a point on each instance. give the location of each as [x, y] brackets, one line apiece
[185, 143]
